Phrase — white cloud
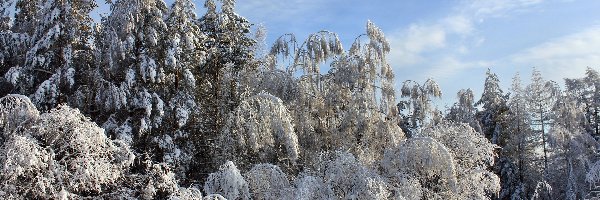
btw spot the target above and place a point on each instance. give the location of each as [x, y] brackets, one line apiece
[562, 57]
[458, 24]
[497, 8]
[407, 45]
[449, 65]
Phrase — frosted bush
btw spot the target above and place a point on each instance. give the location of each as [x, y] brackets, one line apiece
[347, 178]
[62, 150]
[309, 187]
[14, 111]
[267, 181]
[425, 159]
[228, 182]
[260, 125]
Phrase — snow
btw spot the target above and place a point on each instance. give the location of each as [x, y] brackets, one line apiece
[228, 182]
[13, 75]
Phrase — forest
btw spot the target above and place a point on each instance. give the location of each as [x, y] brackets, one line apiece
[155, 101]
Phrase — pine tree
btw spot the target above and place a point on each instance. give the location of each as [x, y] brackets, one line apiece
[494, 109]
[464, 111]
[518, 175]
[229, 56]
[59, 41]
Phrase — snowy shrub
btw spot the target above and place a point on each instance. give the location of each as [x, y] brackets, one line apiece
[347, 178]
[261, 126]
[159, 182]
[62, 152]
[14, 111]
[186, 193]
[214, 197]
[406, 187]
[469, 148]
[473, 154]
[425, 159]
[228, 182]
[309, 187]
[267, 181]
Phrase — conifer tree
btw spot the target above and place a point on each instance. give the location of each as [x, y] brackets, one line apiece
[494, 109]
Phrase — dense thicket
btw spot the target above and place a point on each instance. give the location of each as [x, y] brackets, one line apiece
[153, 98]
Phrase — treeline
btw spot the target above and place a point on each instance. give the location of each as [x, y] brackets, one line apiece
[157, 102]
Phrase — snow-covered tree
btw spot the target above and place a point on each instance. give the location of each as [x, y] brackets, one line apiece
[426, 160]
[59, 50]
[464, 111]
[541, 96]
[6, 19]
[267, 181]
[228, 57]
[494, 109]
[347, 178]
[260, 130]
[228, 182]
[58, 152]
[311, 187]
[474, 156]
[521, 157]
[586, 91]
[418, 106]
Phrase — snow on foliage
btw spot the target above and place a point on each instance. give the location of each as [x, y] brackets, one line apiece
[267, 181]
[426, 159]
[61, 150]
[473, 155]
[261, 126]
[469, 148]
[309, 187]
[15, 110]
[228, 182]
[186, 193]
[347, 178]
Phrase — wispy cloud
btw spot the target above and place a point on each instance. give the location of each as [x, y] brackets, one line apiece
[444, 40]
[565, 56]
[482, 9]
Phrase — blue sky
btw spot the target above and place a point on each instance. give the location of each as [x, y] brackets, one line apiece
[453, 42]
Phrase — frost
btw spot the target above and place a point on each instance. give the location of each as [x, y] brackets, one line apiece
[267, 181]
[228, 181]
[262, 124]
[186, 193]
[424, 158]
[62, 152]
[189, 78]
[182, 115]
[13, 75]
[130, 77]
[148, 69]
[15, 111]
[311, 187]
[70, 75]
[47, 93]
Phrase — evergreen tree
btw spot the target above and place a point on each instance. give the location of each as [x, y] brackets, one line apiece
[517, 174]
[59, 47]
[228, 57]
[464, 111]
[494, 109]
